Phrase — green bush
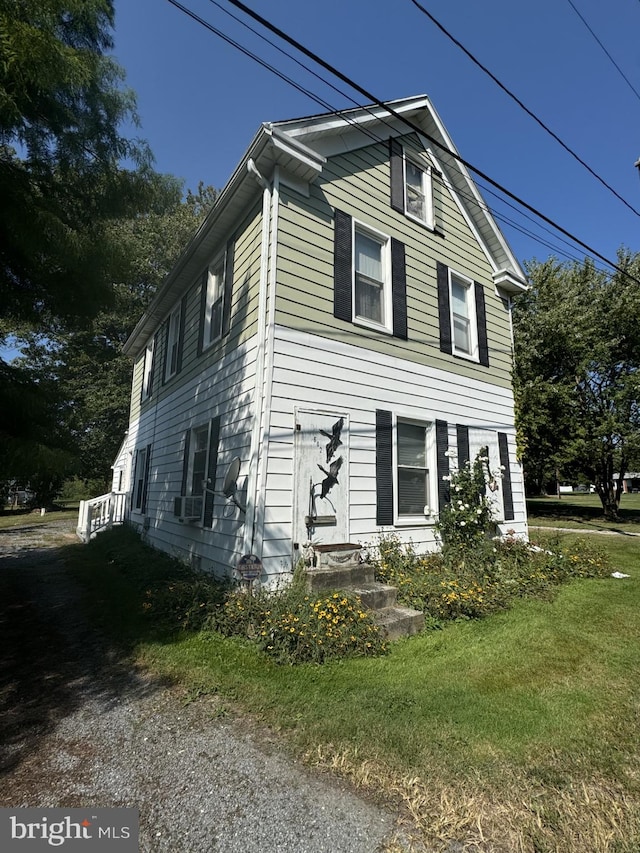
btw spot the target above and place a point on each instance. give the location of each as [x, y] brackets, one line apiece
[465, 583]
[294, 626]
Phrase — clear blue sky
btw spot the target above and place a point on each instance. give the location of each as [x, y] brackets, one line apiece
[201, 101]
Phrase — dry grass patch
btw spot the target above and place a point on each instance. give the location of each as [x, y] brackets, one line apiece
[509, 812]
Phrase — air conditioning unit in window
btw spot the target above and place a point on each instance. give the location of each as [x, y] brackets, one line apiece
[188, 509]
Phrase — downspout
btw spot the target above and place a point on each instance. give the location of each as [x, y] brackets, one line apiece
[252, 476]
[268, 383]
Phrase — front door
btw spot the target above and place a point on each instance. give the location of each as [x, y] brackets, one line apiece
[321, 478]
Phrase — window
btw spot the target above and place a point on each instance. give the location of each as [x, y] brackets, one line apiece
[147, 374]
[173, 343]
[411, 184]
[198, 461]
[214, 300]
[462, 310]
[462, 316]
[371, 278]
[417, 191]
[199, 466]
[141, 479]
[413, 445]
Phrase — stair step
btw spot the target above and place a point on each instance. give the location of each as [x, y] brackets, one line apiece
[376, 596]
[399, 621]
[345, 577]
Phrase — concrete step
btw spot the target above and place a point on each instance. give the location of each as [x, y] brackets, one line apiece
[345, 577]
[399, 621]
[376, 596]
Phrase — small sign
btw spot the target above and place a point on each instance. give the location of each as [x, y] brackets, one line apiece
[250, 567]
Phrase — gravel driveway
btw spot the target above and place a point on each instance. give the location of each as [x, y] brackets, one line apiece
[79, 727]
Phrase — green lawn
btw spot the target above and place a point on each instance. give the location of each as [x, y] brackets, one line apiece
[583, 512]
[11, 519]
[521, 729]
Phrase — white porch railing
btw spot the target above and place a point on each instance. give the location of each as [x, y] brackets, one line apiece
[100, 514]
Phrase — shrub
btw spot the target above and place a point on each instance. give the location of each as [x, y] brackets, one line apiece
[293, 626]
[467, 518]
[464, 583]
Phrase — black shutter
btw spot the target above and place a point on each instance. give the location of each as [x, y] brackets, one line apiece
[183, 316]
[342, 272]
[397, 175]
[185, 462]
[384, 467]
[145, 485]
[442, 463]
[399, 289]
[203, 308]
[228, 287]
[462, 437]
[165, 337]
[444, 309]
[481, 314]
[135, 481]
[214, 436]
[507, 491]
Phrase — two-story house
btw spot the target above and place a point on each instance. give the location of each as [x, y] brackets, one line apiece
[333, 340]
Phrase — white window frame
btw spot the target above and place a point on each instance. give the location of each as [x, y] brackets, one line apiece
[470, 301]
[138, 484]
[204, 429]
[385, 259]
[427, 188]
[147, 370]
[173, 342]
[431, 469]
[216, 273]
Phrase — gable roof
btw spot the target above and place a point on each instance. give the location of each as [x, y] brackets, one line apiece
[301, 146]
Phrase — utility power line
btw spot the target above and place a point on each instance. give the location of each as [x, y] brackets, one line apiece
[379, 103]
[523, 106]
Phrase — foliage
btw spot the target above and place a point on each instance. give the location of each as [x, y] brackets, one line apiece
[62, 176]
[464, 582]
[92, 377]
[467, 519]
[294, 626]
[576, 377]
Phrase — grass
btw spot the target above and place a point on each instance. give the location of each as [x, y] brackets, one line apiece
[14, 518]
[518, 732]
[584, 512]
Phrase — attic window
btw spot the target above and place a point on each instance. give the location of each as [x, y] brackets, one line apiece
[418, 199]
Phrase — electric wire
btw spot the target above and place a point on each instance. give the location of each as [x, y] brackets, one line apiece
[611, 59]
[389, 109]
[523, 106]
[365, 93]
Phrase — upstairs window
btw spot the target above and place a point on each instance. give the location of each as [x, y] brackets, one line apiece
[411, 184]
[214, 303]
[173, 343]
[417, 191]
[147, 373]
[462, 310]
[372, 280]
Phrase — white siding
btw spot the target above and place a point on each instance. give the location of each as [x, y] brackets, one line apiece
[227, 391]
[315, 372]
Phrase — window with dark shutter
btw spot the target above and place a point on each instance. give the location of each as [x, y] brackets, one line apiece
[384, 467]
[481, 316]
[444, 311]
[396, 163]
[462, 438]
[507, 490]
[442, 463]
[212, 465]
[342, 267]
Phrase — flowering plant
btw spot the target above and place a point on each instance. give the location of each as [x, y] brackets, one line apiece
[468, 518]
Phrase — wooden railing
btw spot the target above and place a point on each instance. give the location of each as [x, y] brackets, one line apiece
[100, 514]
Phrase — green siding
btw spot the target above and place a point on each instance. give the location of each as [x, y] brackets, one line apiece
[358, 182]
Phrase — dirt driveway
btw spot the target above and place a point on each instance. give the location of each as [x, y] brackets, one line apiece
[79, 727]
